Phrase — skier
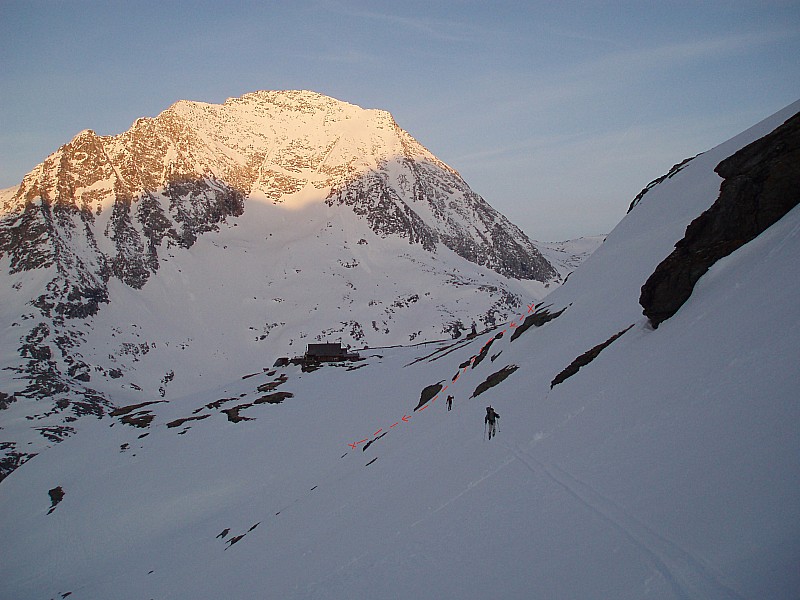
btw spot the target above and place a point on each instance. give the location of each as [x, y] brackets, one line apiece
[449, 402]
[491, 419]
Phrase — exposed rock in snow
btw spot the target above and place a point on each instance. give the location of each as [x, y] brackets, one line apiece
[761, 184]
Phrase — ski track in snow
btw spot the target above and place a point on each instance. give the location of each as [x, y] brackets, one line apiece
[469, 488]
[686, 575]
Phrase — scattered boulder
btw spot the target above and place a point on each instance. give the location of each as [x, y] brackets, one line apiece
[270, 386]
[216, 404]
[56, 496]
[233, 413]
[141, 419]
[275, 398]
[179, 422]
[375, 439]
[124, 410]
[6, 400]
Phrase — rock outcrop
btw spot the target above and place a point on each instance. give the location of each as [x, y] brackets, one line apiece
[761, 184]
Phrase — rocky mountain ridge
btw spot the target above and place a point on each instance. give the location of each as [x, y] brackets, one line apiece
[192, 166]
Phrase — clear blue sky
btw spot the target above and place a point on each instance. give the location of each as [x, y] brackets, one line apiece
[557, 113]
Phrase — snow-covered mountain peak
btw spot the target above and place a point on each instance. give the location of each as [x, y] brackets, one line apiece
[212, 235]
[295, 100]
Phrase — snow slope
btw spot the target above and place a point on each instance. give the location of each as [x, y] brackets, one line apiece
[566, 256]
[666, 468]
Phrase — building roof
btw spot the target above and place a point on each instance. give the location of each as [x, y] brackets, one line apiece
[325, 349]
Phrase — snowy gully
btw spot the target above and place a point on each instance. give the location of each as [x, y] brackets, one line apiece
[406, 418]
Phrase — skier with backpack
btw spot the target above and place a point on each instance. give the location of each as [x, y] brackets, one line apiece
[491, 418]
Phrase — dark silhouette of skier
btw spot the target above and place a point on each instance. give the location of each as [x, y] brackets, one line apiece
[449, 402]
[491, 418]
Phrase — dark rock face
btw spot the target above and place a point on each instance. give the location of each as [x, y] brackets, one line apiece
[761, 184]
[472, 228]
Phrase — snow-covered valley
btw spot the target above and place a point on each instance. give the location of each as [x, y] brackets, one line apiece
[666, 467]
